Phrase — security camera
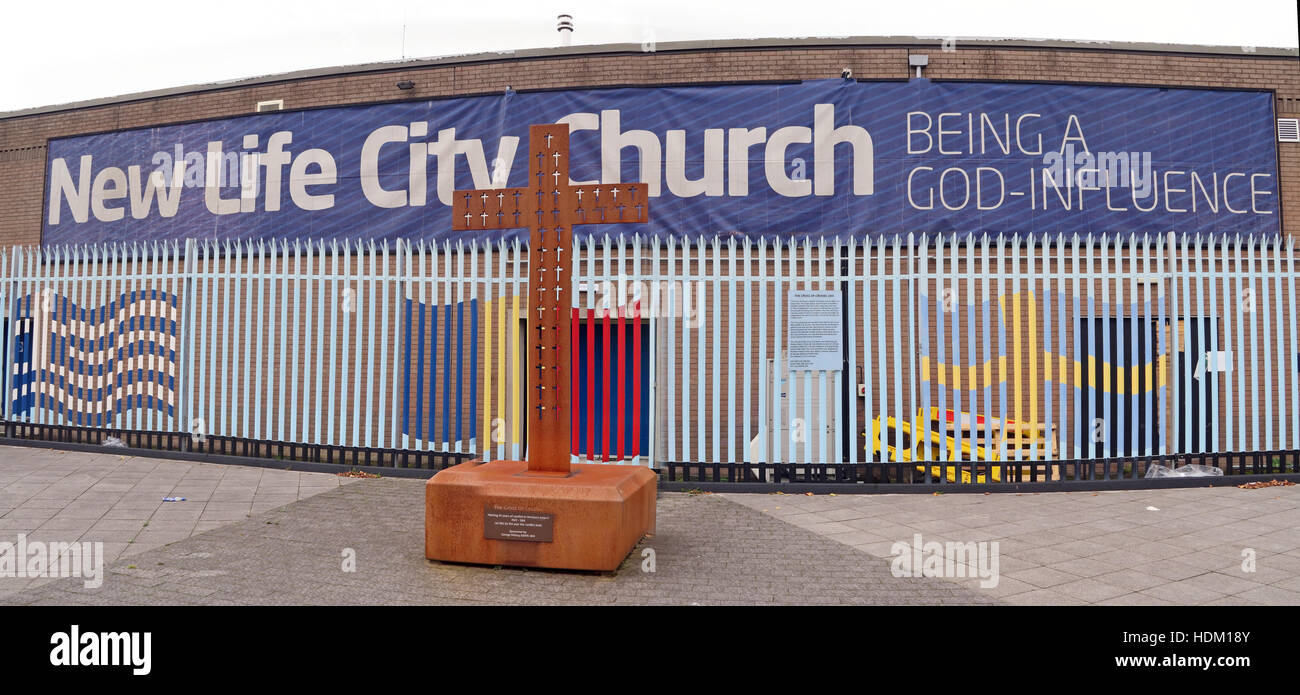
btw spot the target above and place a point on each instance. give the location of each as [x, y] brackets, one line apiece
[848, 73]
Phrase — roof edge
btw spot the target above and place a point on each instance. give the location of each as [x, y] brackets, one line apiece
[665, 47]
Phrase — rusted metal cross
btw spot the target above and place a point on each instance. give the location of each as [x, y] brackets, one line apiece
[550, 207]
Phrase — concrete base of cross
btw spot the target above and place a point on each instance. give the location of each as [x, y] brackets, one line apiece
[500, 513]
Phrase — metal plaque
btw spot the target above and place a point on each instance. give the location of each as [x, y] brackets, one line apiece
[517, 525]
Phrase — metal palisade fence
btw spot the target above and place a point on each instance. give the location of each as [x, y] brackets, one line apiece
[956, 358]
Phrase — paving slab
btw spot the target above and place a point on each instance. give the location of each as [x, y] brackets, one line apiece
[707, 551]
[67, 496]
[1099, 547]
[261, 536]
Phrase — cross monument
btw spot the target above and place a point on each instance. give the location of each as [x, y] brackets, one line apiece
[544, 512]
[550, 207]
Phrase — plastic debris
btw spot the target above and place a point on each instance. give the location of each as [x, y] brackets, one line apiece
[173, 499]
[1191, 470]
[113, 441]
[1153, 509]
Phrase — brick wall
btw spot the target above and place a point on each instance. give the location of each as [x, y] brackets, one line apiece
[23, 138]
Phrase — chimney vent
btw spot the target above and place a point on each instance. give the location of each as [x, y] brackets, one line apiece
[564, 25]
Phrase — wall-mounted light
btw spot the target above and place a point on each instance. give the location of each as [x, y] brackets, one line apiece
[406, 84]
[918, 61]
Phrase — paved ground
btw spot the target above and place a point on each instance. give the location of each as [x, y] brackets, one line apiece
[52, 495]
[710, 549]
[1180, 546]
[707, 551]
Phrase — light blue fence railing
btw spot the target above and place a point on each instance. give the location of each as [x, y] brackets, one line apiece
[950, 346]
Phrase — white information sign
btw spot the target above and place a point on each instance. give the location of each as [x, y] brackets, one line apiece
[814, 330]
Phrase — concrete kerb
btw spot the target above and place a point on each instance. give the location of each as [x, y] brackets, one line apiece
[690, 486]
[195, 457]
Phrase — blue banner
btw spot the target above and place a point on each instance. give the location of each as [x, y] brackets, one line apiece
[827, 157]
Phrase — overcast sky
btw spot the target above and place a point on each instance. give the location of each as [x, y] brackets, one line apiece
[60, 51]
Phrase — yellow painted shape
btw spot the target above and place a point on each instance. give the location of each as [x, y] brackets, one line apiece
[1123, 378]
[1019, 387]
[904, 456]
[486, 442]
[1134, 372]
[505, 347]
[1033, 362]
[500, 409]
[516, 406]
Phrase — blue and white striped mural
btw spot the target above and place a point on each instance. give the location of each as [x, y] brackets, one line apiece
[433, 337]
[90, 365]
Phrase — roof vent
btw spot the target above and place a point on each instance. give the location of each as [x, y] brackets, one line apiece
[272, 105]
[564, 25]
[1288, 130]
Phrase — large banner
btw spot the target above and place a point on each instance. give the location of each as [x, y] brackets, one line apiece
[827, 157]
